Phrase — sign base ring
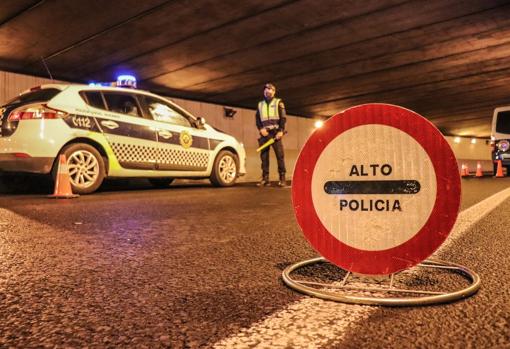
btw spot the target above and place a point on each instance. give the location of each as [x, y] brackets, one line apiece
[365, 293]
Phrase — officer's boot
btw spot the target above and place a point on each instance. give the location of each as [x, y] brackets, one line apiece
[264, 182]
[282, 182]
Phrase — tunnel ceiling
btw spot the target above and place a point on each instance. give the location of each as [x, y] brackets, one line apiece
[448, 60]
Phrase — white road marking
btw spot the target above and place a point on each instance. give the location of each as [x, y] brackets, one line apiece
[472, 215]
[314, 323]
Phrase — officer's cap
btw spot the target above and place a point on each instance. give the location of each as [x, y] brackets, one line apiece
[270, 85]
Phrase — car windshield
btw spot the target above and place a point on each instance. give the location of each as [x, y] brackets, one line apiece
[42, 95]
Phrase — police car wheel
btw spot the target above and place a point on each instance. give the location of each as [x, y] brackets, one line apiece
[224, 172]
[160, 182]
[86, 167]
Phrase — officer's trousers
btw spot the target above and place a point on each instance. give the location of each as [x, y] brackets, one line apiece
[264, 155]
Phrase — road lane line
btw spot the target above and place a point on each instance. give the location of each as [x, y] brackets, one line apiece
[472, 215]
[314, 323]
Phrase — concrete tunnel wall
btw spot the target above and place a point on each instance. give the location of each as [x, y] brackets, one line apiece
[242, 126]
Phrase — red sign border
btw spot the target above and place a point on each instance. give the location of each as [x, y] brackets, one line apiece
[427, 239]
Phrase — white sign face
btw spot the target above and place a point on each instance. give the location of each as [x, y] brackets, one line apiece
[375, 221]
[376, 190]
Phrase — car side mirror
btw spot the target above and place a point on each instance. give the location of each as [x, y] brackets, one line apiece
[200, 122]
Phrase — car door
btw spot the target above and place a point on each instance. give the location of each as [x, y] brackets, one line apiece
[131, 136]
[182, 146]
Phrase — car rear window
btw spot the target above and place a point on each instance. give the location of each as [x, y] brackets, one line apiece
[42, 95]
[503, 122]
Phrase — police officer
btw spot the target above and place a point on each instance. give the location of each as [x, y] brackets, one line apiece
[270, 120]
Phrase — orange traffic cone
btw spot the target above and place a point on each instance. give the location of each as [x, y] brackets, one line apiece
[479, 170]
[63, 181]
[499, 172]
[464, 170]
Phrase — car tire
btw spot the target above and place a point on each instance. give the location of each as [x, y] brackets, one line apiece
[86, 167]
[225, 169]
[161, 182]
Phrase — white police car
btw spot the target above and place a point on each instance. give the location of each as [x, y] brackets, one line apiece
[113, 132]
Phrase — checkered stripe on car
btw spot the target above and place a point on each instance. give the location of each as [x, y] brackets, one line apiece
[129, 153]
[183, 157]
[134, 153]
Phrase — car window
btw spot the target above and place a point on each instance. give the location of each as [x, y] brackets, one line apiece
[122, 103]
[42, 95]
[161, 111]
[94, 99]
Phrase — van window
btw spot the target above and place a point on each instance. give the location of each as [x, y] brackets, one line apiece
[503, 122]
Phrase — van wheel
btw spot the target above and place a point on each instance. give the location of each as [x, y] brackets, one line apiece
[224, 172]
[86, 167]
[161, 182]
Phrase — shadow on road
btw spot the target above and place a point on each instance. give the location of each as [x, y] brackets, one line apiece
[30, 184]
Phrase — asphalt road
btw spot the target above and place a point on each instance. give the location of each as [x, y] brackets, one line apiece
[193, 266]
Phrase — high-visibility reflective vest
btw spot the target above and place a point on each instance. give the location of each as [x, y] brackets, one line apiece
[268, 112]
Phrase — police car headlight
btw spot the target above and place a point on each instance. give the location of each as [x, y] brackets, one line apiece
[503, 145]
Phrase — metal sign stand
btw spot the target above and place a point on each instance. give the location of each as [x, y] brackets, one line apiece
[392, 290]
[373, 214]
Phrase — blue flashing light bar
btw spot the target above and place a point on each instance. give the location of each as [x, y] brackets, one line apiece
[126, 81]
[122, 81]
[107, 84]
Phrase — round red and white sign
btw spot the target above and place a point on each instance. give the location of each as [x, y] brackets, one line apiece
[376, 190]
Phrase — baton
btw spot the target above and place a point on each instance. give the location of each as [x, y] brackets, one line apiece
[268, 143]
[265, 145]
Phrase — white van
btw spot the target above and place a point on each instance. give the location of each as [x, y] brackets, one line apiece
[500, 137]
